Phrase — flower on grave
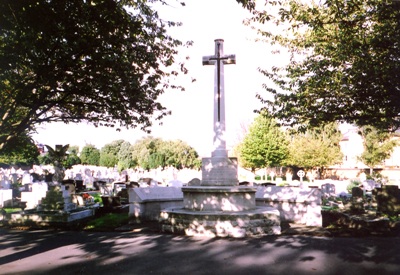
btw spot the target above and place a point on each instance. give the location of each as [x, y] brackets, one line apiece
[87, 198]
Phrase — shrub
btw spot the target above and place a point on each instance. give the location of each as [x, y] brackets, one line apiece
[353, 183]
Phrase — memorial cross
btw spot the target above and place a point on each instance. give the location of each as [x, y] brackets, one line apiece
[219, 60]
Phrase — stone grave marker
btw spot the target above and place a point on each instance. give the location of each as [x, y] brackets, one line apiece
[388, 199]
[357, 199]
[328, 190]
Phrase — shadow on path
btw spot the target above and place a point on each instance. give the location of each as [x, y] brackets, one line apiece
[70, 252]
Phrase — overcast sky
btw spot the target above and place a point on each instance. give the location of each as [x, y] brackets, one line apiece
[192, 110]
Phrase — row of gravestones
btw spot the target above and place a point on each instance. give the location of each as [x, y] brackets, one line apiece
[387, 199]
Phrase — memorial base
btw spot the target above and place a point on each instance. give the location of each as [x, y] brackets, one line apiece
[260, 221]
[220, 211]
[219, 171]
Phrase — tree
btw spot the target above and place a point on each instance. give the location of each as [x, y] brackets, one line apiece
[90, 155]
[265, 145]
[152, 153]
[378, 146]
[125, 157]
[344, 61]
[72, 157]
[102, 61]
[20, 151]
[316, 148]
[178, 154]
[109, 153]
[144, 152]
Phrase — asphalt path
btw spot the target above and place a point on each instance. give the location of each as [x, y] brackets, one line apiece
[141, 252]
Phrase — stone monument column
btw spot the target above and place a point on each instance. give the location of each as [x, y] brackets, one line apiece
[219, 169]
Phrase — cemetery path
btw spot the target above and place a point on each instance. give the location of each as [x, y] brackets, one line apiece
[146, 252]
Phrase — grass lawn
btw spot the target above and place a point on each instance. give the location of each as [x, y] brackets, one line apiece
[107, 222]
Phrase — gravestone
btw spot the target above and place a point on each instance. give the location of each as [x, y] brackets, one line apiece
[194, 182]
[388, 199]
[357, 199]
[328, 190]
[33, 194]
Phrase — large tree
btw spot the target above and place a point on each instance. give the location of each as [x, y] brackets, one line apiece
[316, 148]
[125, 157]
[103, 61]
[378, 146]
[344, 61]
[90, 155]
[20, 151]
[109, 153]
[178, 154]
[152, 153]
[265, 144]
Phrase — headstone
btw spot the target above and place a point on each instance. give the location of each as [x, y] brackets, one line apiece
[328, 190]
[194, 182]
[388, 199]
[5, 183]
[26, 178]
[5, 197]
[357, 200]
[357, 192]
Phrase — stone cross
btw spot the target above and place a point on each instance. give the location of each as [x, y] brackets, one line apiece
[219, 60]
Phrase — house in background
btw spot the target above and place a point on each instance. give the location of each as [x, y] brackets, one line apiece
[352, 147]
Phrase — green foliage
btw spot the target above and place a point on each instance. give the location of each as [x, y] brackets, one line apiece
[177, 154]
[125, 157]
[90, 155]
[151, 153]
[318, 147]
[107, 222]
[144, 152]
[378, 146]
[11, 210]
[96, 197]
[105, 62]
[54, 199]
[109, 153]
[265, 145]
[343, 61]
[352, 184]
[72, 157]
[20, 151]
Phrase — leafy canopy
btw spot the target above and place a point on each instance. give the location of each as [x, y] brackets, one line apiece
[378, 146]
[102, 61]
[343, 61]
[316, 148]
[265, 145]
[90, 155]
[152, 153]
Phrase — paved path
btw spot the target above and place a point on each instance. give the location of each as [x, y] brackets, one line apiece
[146, 252]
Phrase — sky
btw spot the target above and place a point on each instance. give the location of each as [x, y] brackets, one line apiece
[192, 110]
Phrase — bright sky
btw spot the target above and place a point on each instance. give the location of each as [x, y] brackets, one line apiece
[192, 110]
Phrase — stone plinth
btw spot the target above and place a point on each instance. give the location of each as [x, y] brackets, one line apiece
[260, 221]
[219, 171]
[220, 211]
[219, 198]
[49, 218]
[296, 205]
[5, 197]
